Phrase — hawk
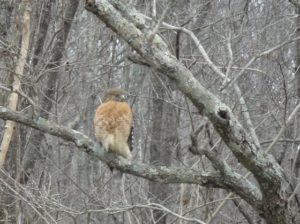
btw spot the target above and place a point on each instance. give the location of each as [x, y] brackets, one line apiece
[113, 123]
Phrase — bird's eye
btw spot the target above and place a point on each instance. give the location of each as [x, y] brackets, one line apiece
[123, 97]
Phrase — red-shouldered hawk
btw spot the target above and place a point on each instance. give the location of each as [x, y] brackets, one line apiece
[112, 123]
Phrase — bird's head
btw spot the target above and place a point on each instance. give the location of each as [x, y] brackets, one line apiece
[115, 94]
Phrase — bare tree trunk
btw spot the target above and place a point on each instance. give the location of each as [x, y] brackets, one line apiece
[13, 98]
[45, 16]
[297, 76]
[18, 172]
[6, 58]
[162, 143]
[52, 78]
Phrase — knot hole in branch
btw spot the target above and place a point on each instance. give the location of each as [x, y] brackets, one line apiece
[90, 3]
[223, 114]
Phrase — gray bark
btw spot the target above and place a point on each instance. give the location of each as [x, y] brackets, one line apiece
[162, 174]
[297, 77]
[45, 16]
[162, 143]
[32, 155]
[253, 44]
[131, 26]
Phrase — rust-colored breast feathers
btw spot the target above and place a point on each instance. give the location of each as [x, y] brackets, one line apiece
[112, 123]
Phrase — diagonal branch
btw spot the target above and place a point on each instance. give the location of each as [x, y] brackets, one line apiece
[238, 182]
[86, 144]
[231, 131]
[158, 24]
[265, 169]
[138, 20]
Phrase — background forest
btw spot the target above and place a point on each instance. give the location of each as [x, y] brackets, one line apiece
[214, 87]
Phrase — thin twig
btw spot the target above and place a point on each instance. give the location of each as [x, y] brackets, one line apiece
[158, 24]
[289, 40]
[294, 112]
[229, 66]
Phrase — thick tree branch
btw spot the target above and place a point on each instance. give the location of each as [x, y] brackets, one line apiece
[215, 68]
[122, 20]
[219, 114]
[237, 182]
[156, 173]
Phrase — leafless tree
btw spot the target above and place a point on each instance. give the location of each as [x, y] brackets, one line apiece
[214, 87]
